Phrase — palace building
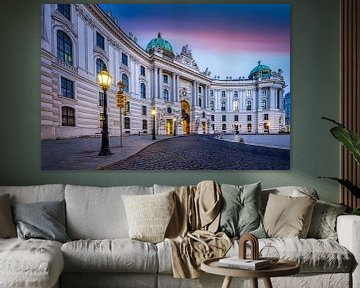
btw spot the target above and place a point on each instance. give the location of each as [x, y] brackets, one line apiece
[78, 41]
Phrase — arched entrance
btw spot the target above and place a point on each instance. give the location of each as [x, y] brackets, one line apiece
[185, 115]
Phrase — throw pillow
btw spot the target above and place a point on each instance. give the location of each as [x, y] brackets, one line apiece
[149, 215]
[323, 222]
[44, 220]
[7, 226]
[240, 213]
[288, 217]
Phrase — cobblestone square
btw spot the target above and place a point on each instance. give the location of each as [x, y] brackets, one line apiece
[192, 152]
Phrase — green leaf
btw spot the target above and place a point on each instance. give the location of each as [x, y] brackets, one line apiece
[348, 138]
[347, 184]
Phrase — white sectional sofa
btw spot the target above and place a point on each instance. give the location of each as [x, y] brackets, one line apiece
[101, 254]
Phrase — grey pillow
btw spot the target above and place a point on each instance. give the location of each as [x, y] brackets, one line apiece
[240, 213]
[323, 222]
[7, 226]
[44, 220]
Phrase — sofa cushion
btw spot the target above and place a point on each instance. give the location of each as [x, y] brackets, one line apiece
[291, 191]
[287, 216]
[36, 193]
[7, 226]
[149, 215]
[30, 263]
[43, 220]
[98, 213]
[240, 210]
[323, 222]
[117, 255]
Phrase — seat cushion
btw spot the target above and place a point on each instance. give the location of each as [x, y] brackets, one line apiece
[30, 263]
[117, 255]
[98, 213]
[313, 255]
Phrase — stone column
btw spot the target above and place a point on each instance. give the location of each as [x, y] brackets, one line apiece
[160, 82]
[156, 80]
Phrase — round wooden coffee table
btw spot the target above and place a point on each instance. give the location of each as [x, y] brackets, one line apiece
[281, 268]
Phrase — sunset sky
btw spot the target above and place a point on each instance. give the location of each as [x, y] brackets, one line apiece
[229, 39]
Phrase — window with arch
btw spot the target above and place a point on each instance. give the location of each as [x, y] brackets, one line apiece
[143, 90]
[127, 107]
[249, 127]
[100, 65]
[125, 80]
[65, 10]
[64, 47]
[223, 105]
[67, 116]
[200, 102]
[236, 106]
[166, 95]
[248, 105]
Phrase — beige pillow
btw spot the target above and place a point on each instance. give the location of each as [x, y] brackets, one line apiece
[7, 226]
[149, 215]
[288, 217]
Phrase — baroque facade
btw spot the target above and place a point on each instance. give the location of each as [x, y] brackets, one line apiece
[78, 41]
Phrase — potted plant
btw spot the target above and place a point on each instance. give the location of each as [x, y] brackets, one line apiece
[351, 141]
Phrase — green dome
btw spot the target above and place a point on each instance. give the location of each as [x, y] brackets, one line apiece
[263, 69]
[159, 42]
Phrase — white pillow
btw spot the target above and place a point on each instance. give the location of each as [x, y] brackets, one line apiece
[149, 215]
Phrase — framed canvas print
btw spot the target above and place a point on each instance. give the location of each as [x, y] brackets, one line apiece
[165, 86]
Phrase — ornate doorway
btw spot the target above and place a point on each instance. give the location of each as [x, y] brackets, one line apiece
[169, 127]
[185, 115]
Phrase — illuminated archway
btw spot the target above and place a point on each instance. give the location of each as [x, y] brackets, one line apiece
[185, 116]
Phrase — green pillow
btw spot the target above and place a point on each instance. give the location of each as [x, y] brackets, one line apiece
[240, 213]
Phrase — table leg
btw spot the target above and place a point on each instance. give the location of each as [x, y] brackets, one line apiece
[267, 283]
[254, 282]
[227, 282]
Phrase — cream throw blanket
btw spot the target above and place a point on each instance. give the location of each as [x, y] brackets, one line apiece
[191, 231]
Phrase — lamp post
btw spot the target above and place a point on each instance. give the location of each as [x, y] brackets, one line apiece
[153, 113]
[120, 102]
[104, 79]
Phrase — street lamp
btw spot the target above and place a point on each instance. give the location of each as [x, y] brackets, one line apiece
[104, 79]
[153, 113]
[120, 102]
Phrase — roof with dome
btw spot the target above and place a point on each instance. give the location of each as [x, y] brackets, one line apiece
[260, 68]
[159, 42]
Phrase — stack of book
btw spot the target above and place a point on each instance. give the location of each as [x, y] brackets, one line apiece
[248, 264]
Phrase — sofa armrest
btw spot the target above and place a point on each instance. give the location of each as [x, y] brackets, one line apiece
[348, 230]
